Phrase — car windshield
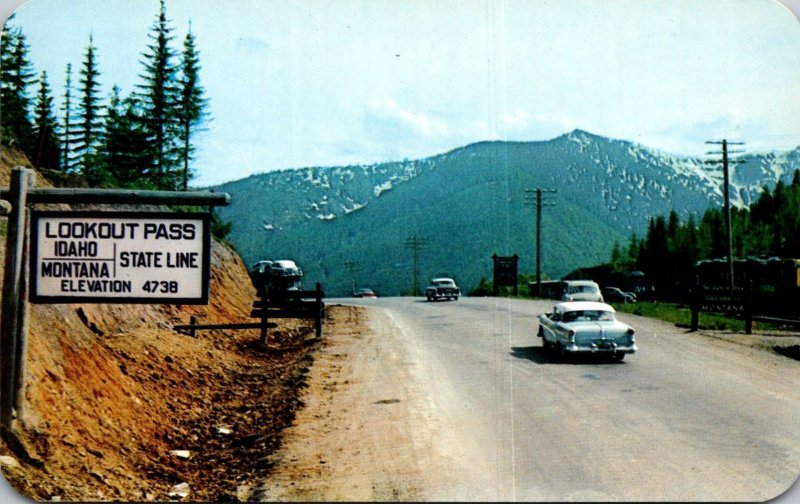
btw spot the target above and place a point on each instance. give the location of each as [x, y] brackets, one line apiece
[445, 283]
[587, 316]
[582, 288]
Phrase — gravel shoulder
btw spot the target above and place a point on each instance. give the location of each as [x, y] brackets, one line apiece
[365, 434]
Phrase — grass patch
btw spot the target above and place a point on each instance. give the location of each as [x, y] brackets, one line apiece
[681, 315]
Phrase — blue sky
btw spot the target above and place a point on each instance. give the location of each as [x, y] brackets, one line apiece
[323, 82]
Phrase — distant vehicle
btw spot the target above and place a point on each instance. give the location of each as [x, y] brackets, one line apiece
[586, 327]
[613, 294]
[259, 274]
[365, 293]
[282, 275]
[442, 288]
[582, 290]
[260, 267]
[285, 268]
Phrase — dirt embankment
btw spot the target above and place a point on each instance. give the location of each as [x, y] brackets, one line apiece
[120, 407]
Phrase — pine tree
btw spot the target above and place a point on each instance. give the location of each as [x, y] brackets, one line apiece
[655, 262]
[125, 149]
[159, 95]
[48, 149]
[89, 125]
[68, 130]
[8, 40]
[15, 76]
[192, 106]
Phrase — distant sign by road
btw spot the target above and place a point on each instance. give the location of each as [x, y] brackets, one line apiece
[116, 257]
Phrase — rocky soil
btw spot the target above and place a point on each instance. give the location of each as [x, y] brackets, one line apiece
[119, 406]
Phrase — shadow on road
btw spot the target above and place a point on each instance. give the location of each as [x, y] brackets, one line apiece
[536, 354]
[539, 355]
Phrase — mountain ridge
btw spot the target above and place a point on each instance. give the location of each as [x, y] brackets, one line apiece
[469, 204]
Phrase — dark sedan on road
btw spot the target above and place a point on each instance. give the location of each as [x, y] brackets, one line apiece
[616, 295]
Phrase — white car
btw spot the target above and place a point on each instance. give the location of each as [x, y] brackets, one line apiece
[582, 290]
[586, 327]
[285, 268]
[442, 288]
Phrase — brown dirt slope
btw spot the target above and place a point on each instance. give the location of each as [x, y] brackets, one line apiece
[121, 407]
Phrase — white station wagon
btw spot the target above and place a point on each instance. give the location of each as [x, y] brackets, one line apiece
[586, 327]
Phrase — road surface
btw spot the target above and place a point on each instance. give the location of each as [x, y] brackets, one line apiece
[457, 401]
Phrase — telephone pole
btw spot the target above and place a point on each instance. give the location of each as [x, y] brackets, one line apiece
[352, 267]
[725, 161]
[416, 243]
[539, 202]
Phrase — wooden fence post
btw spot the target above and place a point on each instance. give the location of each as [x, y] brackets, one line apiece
[264, 321]
[14, 325]
[748, 307]
[696, 303]
[318, 326]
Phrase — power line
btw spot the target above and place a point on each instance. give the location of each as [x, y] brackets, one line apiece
[540, 202]
[416, 244]
[725, 161]
[352, 267]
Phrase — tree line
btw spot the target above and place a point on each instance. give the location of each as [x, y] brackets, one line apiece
[768, 228]
[142, 140]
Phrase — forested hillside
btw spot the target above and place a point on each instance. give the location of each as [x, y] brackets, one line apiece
[347, 225]
[770, 227]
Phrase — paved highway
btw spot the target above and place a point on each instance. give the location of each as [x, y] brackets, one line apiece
[686, 418]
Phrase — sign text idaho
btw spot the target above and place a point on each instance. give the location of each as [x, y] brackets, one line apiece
[115, 257]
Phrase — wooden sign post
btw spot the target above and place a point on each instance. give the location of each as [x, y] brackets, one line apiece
[94, 258]
[505, 273]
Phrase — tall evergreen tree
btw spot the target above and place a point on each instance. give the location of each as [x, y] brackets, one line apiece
[48, 150]
[125, 149]
[15, 76]
[89, 115]
[657, 249]
[160, 96]
[192, 108]
[8, 40]
[68, 128]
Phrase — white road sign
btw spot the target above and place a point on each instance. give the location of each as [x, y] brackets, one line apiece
[114, 257]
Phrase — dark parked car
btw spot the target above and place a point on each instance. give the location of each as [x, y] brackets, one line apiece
[275, 275]
[613, 294]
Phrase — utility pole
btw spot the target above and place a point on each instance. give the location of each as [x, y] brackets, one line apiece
[416, 243]
[539, 202]
[726, 192]
[352, 267]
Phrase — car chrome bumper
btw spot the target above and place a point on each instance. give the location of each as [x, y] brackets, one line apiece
[595, 349]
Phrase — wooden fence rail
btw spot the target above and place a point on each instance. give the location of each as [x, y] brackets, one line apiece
[273, 304]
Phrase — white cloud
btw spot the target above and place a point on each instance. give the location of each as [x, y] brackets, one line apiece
[390, 112]
[517, 119]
